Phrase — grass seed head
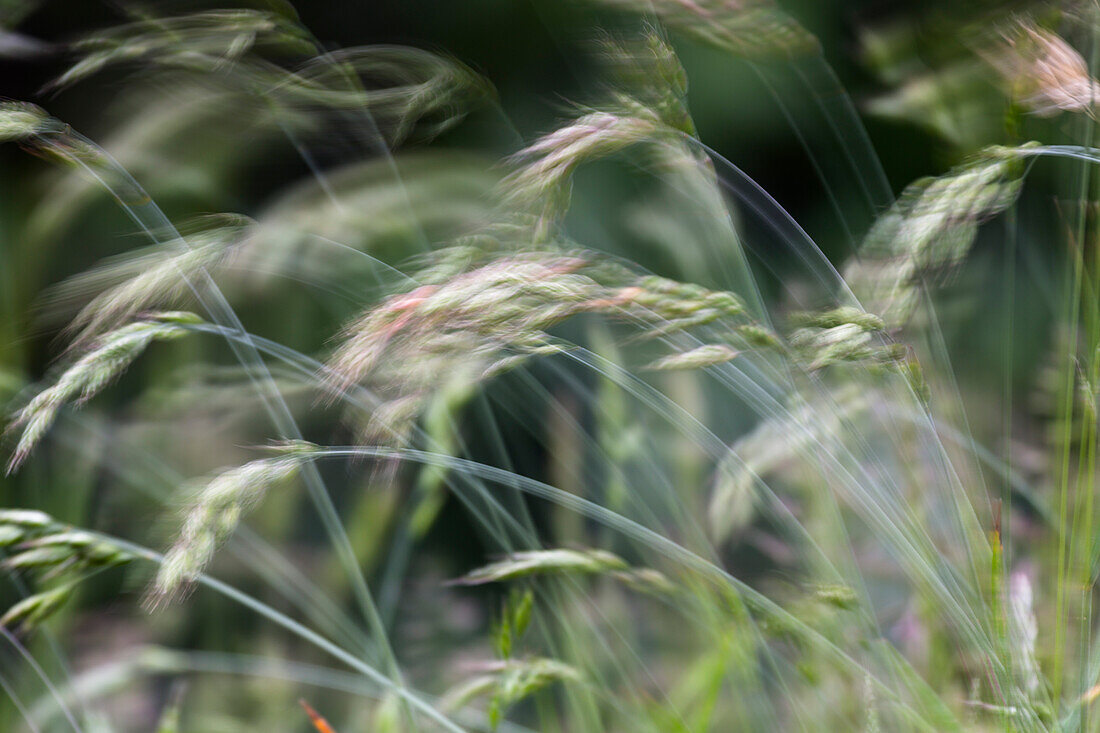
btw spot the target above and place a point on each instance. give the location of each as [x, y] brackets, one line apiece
[153, 278]
[33, 610]
[542, 562]
[930, 229]
[542, 181]
[697, 358]
[1045, 73]
[215, 513]
[754, 29]
[498, 314]
[20, 120]
[110, 356]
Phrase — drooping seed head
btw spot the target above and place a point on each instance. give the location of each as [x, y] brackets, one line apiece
[20, 120]
[215, 513]
[111, 355]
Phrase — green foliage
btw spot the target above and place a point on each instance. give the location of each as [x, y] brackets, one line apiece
[710, 474]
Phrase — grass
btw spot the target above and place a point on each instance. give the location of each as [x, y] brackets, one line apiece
[430, 448]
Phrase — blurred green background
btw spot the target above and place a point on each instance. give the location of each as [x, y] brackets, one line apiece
[538, 56]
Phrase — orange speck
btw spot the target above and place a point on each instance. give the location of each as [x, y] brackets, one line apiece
[319, 723]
